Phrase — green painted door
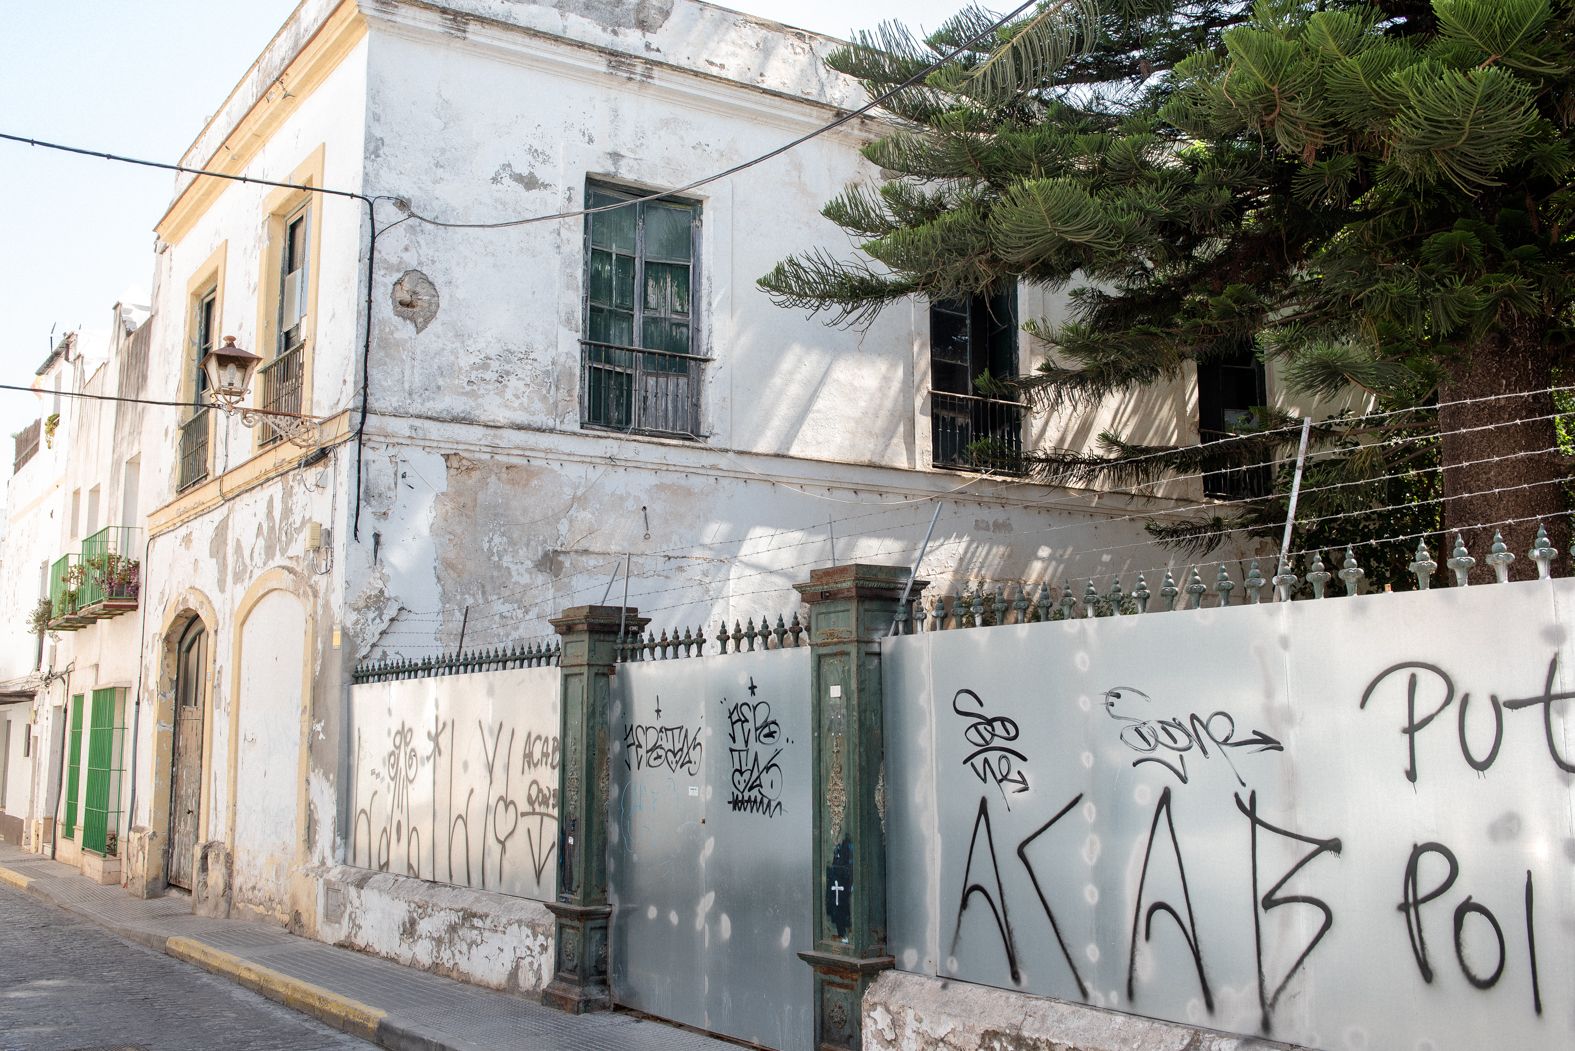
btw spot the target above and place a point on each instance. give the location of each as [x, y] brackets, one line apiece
[73, 768]
[101, 805]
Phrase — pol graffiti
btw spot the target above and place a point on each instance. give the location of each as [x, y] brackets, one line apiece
[1241, 880]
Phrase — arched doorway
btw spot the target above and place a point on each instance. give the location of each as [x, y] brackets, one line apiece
[191, 701]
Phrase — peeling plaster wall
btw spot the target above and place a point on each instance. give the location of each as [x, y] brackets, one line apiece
[908, 1012]
[520, 534]
[494, 940]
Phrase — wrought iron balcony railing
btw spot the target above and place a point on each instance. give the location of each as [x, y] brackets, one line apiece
[976, 433]
[195, 439]
[283, 382]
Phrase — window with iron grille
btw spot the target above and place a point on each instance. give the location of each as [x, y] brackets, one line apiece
[1229, 390]
[281, 378]
[969, 339]
[640, 361]
[195, 428]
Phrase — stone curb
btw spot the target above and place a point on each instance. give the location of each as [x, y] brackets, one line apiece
[331, 1008]
[341, 1012]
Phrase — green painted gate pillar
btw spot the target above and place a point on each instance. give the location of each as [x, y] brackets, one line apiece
[850, 610]
[588, 654]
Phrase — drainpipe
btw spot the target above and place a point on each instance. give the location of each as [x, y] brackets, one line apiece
[136, 702]
[60, 782]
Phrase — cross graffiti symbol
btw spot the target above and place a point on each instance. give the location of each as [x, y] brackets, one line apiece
[752, 686]
[837, 889]
[658, 707]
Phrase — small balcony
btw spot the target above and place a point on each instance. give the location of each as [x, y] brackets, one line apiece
[195, 438]
[103, 580]
[976, 434]
[283, 382]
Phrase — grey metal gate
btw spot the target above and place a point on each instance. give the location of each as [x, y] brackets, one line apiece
[709, 844]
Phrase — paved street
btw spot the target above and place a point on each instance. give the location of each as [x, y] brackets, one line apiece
[66, 984]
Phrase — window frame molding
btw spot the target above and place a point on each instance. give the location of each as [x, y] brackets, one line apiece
[278, 208]
[699, 336]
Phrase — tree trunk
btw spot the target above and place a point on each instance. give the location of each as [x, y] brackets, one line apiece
[1497, 472]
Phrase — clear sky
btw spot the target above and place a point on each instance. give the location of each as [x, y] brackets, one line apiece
[140, 77]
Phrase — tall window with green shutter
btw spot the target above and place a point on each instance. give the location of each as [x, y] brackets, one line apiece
[101, 804]
[73, 768]
[641, 349]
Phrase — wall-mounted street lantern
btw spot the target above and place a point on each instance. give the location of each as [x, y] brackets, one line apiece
[229, 370]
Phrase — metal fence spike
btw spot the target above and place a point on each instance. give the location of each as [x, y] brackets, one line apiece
[721, 637]
[1318, 576]
[749, 634]
[1499, 557]
[1284, 582]
[1461, 562]
[1090, 599]
[738, 636]
[1169, 592]
[780, 631]
[1224, 585]
[1118, 597]
[1423, 566]
[1351, 573]
[1196, 589]
[1140, 594]
[1543, 553]
[977, 609]
[1042, 603]
[1020, 604]
[999, 607]
[1254, 584]
[920, 615]
[795, 629]
[1068, 602]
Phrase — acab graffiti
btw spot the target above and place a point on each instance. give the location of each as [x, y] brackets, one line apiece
[1448, 908]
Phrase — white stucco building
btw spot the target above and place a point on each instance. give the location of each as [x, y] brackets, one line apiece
[504, 414]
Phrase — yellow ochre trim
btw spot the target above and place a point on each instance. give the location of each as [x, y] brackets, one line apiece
[266, 465]
[328, 48]
[15, 879]
[341, 1012]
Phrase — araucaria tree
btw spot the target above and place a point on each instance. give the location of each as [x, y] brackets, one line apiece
[1373, 196]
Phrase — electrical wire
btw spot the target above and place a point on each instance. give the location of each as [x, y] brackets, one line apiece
[149, 401]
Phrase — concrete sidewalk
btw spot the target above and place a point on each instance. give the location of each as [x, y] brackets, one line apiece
[394, 1006]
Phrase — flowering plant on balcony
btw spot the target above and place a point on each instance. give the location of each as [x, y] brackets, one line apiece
[38, 620]
[119, 576]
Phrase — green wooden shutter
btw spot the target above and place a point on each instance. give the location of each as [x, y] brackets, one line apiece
[74, 768]
[101, 807]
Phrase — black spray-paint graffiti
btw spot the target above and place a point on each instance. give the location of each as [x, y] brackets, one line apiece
[651, 746]
[516, 804]
[1415, 672]
[985, 882]
[992, 761]
[752, 738]
[1486, 944]
[1168, 742]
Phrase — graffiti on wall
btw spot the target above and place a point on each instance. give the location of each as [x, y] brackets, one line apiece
[1229, 858]
[449, 789]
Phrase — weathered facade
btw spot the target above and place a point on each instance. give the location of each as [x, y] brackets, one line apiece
[505, 421]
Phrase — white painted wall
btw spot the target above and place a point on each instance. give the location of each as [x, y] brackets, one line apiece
[270, 785]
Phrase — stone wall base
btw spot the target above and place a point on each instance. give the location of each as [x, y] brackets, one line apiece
[913, 1012]
[101, 869]
[487, 939]
[210, 887]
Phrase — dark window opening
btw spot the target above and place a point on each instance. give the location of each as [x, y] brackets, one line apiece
[969, 339]
[1229, 390]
